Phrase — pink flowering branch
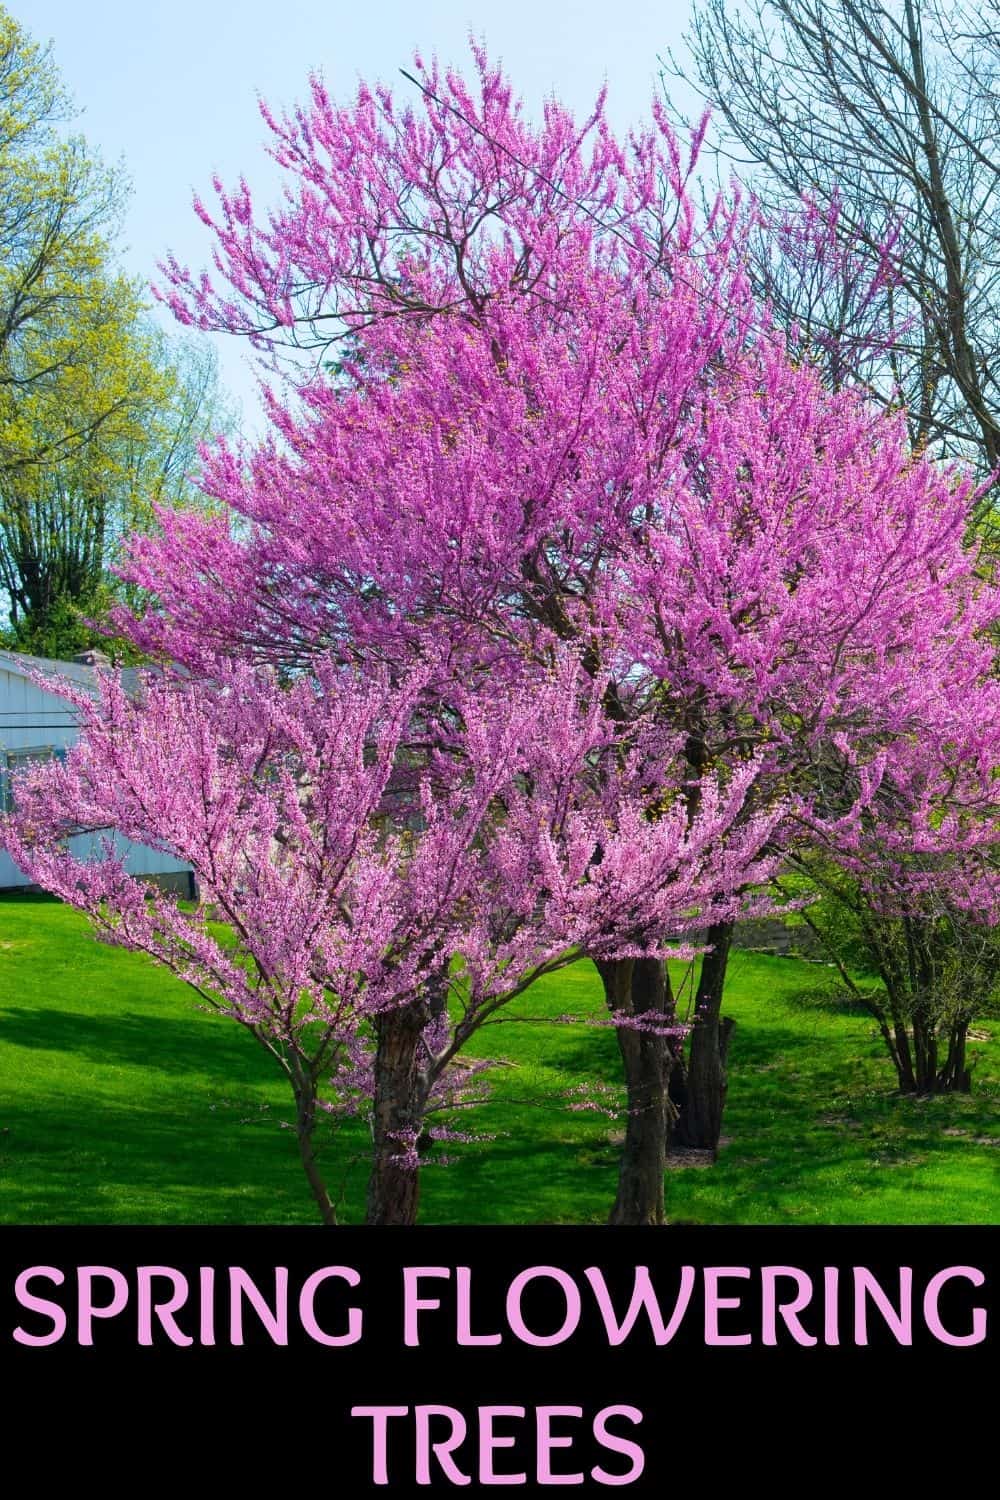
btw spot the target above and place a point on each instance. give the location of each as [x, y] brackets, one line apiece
[349, 881]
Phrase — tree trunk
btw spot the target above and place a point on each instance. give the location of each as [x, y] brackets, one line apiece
[305, 1121]
[394, 1184]
[924, 1053]
[899, 1048]
[955, 1076]
[926, 1076]
[676, 1087]
[700, 1123]
[641, 987]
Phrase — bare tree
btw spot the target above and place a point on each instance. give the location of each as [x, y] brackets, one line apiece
[869, 132]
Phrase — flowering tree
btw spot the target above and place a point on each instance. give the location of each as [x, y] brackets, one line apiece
[910, 894]
[550, 411]
[387, 882]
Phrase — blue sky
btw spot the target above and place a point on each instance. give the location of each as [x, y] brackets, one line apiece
[170, 89]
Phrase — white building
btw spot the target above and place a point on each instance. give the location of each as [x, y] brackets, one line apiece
[38, 725]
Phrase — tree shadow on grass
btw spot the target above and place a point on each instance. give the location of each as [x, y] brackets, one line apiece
[71, 1162]
[567, 1182]
[578, 1049]
[195, 1044]
[812, 1116]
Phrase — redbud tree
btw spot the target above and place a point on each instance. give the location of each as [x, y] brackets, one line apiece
[385, 883]
[546, 409]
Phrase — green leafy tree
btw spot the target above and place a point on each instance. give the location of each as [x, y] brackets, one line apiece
[100, 413]
[923, 975]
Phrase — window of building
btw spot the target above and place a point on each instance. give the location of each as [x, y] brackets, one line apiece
[15, 760]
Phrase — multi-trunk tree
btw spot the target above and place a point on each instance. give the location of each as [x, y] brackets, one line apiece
[923, 965]
[909, 895]
[550, 402]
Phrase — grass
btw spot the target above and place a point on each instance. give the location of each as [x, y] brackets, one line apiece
[121, 1102]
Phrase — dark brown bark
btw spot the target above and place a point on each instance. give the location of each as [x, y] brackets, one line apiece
[676, 1088]
[399, 1097]
[305, 1123]
[955, 1075]
[700, 1123]
[918, 1070]
[641, 988]
[914, 1040]
[919, 1031]
[900, 1051]
[929, 1075]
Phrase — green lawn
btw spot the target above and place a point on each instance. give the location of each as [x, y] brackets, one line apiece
[120, 1102]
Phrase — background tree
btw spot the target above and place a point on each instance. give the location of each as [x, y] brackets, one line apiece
[100, 415]
[910, 894]
[64, 518]
[923, 967]
[869, 130]
[57, 205]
